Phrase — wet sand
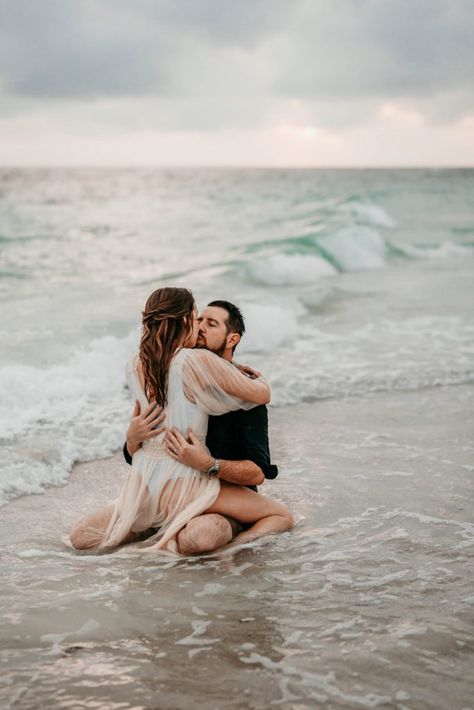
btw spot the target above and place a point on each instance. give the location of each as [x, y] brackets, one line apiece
[367, 603]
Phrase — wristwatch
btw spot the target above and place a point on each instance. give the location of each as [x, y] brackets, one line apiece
[214, 469]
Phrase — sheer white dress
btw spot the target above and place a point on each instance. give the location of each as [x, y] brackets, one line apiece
[158, 491]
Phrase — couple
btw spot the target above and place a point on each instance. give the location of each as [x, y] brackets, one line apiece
[166, 490]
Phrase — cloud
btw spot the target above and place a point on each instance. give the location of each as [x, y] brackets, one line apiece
[64, 48]
[293, 68]
[378, 49]
[313, 49]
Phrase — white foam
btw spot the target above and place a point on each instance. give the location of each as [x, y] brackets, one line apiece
[267, 327]
[355, 248]
[290, 269]
[384, 355]
[445, 250]
[370, 212]
[55, 416]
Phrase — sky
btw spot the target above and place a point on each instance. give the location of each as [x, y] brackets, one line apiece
[277, 83]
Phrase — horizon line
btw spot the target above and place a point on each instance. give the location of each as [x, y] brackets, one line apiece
[138, 166]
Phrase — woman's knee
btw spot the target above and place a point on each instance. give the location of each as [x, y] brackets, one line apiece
[281, 510]
[88, 532]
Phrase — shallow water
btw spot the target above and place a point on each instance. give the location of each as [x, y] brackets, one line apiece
[351, 282]
[367, 603]
[357, 288]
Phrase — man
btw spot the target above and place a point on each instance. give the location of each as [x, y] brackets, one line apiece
[237, 441]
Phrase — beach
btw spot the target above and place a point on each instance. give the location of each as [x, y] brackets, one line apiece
[356, 286]
[367, 602]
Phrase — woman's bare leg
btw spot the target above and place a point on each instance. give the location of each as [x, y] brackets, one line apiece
[89, 531]
[266, 516]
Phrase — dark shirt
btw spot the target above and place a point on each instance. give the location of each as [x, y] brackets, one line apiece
[238, 436]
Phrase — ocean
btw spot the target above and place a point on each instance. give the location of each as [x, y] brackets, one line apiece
[351, 282]
[357, 288]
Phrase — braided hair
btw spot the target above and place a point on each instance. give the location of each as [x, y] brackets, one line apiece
[167, 322]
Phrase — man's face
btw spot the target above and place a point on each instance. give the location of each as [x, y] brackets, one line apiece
[213, 329]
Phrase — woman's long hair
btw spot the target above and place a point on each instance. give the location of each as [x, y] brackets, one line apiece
[167, 322]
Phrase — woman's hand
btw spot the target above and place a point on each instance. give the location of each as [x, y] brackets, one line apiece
[144, 425]
[248, 371]
[190, 452]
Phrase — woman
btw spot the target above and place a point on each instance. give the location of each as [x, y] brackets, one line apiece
[160, 492]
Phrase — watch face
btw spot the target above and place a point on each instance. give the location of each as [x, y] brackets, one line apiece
[214, 470]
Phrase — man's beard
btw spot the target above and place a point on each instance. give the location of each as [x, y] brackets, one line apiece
[217, 351]
[220, 351]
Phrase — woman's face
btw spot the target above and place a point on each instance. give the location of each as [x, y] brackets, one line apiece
[191, 340]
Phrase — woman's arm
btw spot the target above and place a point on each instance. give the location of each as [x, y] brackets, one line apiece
[219, 383]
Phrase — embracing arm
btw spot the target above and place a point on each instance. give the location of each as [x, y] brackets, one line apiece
[143, 426]
[218, 386]
[191, 452]
[242, 473]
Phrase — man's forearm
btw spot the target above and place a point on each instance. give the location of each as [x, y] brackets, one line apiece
[243, 473]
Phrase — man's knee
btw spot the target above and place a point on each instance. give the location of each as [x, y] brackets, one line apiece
[204, 533]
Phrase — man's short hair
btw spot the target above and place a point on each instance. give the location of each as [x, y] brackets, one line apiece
[235, 319]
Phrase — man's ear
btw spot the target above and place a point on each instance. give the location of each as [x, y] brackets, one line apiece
[233, 339]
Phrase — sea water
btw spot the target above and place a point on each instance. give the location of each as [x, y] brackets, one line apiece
[350, 282]
[357, 292]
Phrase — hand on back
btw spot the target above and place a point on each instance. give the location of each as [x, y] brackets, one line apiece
[144, 425]
[190, 452]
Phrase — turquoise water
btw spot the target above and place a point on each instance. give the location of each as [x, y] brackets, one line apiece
[357, 287]
[351, 281]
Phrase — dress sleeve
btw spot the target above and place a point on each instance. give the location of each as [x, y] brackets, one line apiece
[133, 382]
[217, 387]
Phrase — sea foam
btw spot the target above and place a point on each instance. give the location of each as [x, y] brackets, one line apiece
[369, 212]
[355, 248]
[267, 327]
[52, 417]
[290, 269]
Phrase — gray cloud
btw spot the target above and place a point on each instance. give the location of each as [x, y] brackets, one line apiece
[65, 48]
[379, 48]
[248, 55]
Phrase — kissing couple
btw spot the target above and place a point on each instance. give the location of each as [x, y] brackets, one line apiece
[175, 493]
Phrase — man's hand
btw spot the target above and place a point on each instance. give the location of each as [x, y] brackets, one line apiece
[144, 426]
[190, 452]
[248, 371]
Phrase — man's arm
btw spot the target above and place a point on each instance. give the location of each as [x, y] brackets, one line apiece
[143, 426]
[191, 452]
[243, 473]
[254, 440]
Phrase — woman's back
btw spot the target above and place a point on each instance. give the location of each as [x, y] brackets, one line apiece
[179, 411]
